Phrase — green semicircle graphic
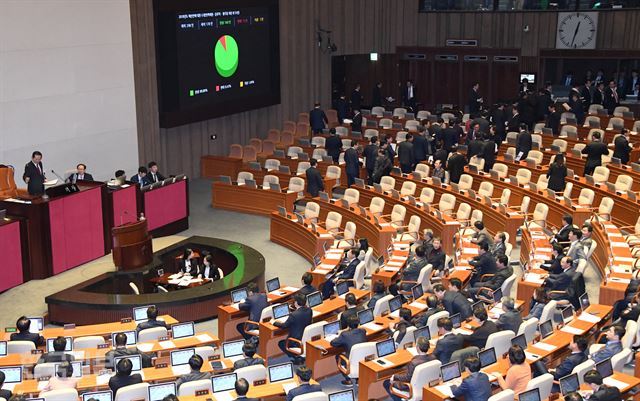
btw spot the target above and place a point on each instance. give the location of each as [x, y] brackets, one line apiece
[226, 54]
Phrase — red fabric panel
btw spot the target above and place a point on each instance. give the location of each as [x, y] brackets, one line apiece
[124, 206]
[165, 204]
[11, 256]
[77, 233]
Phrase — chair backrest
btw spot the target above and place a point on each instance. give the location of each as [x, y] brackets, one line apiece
[583, 368]
[399, 112]
[351, 195]
[342, 131]
[593, 108]
[502, 169]
[423, 114]
[64, 394]
[243, 176]
[286, 138]
[256, 143]
[302, 167]
[296, 184]
[427, 195]
[565, 115]
[422, 169]
[623, 183]
[333, 220]
[561, 144]
[252, 373]
[523, 176]
[88, 342]
[414, 224]
[332, 116]
[249, 154]
[636, 126]
[359, 275]
[387, 183]
[464, 212]
[432, 321]
[319, 141]
[315, 396]
[20, 347]
[377, 205]
[44, 370]
[524, 205]
[547, 311]
[567, 190]
[620, 359]
[386, 123]
[377, 111]
[370, 133]
[601, 174]
[189, 388]
[319, 153]
[311, 210]
[272, 164]
[504, 395]
[528, 328]
[302, 129]
[543, 182]
[424, 277]
[358, 353]
[408, 188]
[334, 172]
[205, 352]
[486, 189]
[543, 383]
[566, 129]
[477, 161]
[462, 354]
[536, 155]
[466, 181]
[615, 121]
[589, 119]
[273, 135]
[152, 334]
[628, 339]
[540, 213]
[501, 341]
[590, 134]
[398, 213]
[270, 179]
[507, 285]
[235, 150]
[606, 207]
[447, 203]
[346, 143]
[586, 197]
[382, 305]
[350, 230]
[293, 151]
[423, 374]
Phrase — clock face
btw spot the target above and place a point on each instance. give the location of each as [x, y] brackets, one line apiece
[577, 30]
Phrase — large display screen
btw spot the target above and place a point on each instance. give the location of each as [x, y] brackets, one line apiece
[215, 58]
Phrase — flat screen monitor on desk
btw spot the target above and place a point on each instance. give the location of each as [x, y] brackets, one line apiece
[450, 371]
[530, 395]
[223, 382]
[136, 361]
[346, 395]
[182, 356]
[520, 340]
[365, 316]
[157, 392]
[232, 348]
[12, 374]
[140, 313]
[569, 384]
[386, 347]
[281, 372]
[98, 396]
[181, 330]
[239, 295]
[37, 324]
[68, 347]
[487, 357]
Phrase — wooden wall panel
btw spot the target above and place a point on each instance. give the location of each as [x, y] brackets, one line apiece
[359, 27]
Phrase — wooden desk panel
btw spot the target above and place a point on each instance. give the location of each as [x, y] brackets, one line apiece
[242, 199]
[297, 237]
[213, 166]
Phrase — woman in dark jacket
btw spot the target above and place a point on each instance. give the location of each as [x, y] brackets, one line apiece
[382, 166]
[557, 174]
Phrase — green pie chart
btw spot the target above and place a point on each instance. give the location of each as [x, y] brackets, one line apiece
[226, 56]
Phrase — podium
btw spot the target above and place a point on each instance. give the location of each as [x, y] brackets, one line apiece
[132, 246]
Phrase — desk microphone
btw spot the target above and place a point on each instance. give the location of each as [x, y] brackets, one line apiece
[56, 174]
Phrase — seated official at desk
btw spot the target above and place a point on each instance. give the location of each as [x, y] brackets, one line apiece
[483, 264]
[295, 323]
[448, 342]
[154, 175]
[553, 265]
[518, 374]
[499, 245]
[80, 174]
[123, 376]
[189, 263]
[411, 272]
[511, 318]
[195, 363]
[345, 272]
[141, 178]
[23, 325]
[484, 329]
[121, 349]
[435, 255]
[453, 300]
[480, 234]
[614, 334]
[62, 379]
[152, 320]
[242, 388]
[6, 394]
[209, 270]
[58, 354]
[249, 352]
[578, 348]
[398, 381]
[254, 304]
[304, 377]
[352, 309]
[601, 392]
[347, 339]
[403, 324]
[489, 282]
[307, 287]
[476, 386]
[538, 302]
[562, 235]
[379, 291]
[433, 307]
[560, 282]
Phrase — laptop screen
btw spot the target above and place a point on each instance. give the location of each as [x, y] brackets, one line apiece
[314, 299]
[182, 356]
[346, 395]
[487, 357]
[131, 337]
[183, 330]
[223, 382]
[456, 321]
[3, 348]
[239, 295]
[531, 395]
[365, 316]
[450, 371]
[385, 347]
[477, 304]
[281, 310]
[232, 348]
[37, 324]
[605, 368]
[567, 314]
[77, 368]
[280, 372]
[422, 332]
[98, 396]
[12, 374]
[68, 347]
[417, 291]
[330, 329]
[584, 301]
[497, 295]
[157, 392]
[273, 284]
[569, 384]
[395, 304]
[140, 313]
[520, 340]
[136, 361]
[342, 288]
[546, 329]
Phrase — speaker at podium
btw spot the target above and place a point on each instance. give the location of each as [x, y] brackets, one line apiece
[132, 247]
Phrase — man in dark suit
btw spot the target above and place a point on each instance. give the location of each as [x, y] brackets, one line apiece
[58, 354]
[488, 152]
[141, 178]
[553, 120]
[453, 300]
[34, 174]
[152, 320]
[455, 166]
[405, 155]
[513, 125]
[543, 102]
[347, 339]
[560, 282]
[563, 234]
[352, 309]
[601, 392]
[576, 250]
[448, 342]
[598, 94]
[475, 145]
[242, 388]
[449, 138]
[307, 287]
[356, 98]
[397, 381]
[304, 377]
[333, 145]
[23, 325]
[594, 151]
[6, 394]
[317, 119]
[314, 179]
[154, 175]
[484, 329]
[195, 363]
[254, 304]
[122, 350]
[80, 174]
[632, 81]
[476, 386]
[475, 100]
[622, 149]
[412, 271]
[420, 146]
[123, 376]
[379, 291]
[435, 255]
[296, 322]
[483, 264]
[370, 154]
[342, 108]
[352, 163]
[511, 318]
[611, 98]
[524, 143]
[578, 347]
[614, 345]
[249, 352]
[376, 97]
[409, 96]
[499, 121]
[356, 121]
[499, 246]
[346, 272]
[503, 272]
[433, 307]
[585, 94]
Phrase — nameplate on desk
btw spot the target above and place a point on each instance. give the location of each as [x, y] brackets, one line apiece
[10, 329]
[202, 392]
[165, 338]
[103, 346]
[214, 357]
[44, 378]
[126, 320]
[316, 338]
[36, 351]
[259, 382]
[369, 358]
[161, 365]
[69, 326]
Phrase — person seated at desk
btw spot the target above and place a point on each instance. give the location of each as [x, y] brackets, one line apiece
[249, 352]
[480, 234]
[476, 386]
[347, 339]
[154, 175]
[483, 264]
[209, 270]
[402, 325]
[613, 345]
[141, 178]
[6, 394]
[573, 396]
[560, 282]
[562, 235]
[412, 271]
[436, 256]
[123, 376]
[398, 381]
[304, 387]
[499, 245]
[426, 241]
[601, 392]
[448, 342]
[122, 350]
[23, 325]
[254, 304]
[189, 263]
[433, 307]
[80, 174]
[120, 176]
[578, 347]
[58, 354]
[510, 319]
[195, 363]
[62, 379]
[307, 287]
[453, 300]
[379, 291]
[586, 240]
[553, 265]
[345, 272]
[492, 282]
[484, 329]
[170, 397]
[539, 300]
[296, 322]
[152, 320]
[242, 388]
[352, 309]
[518, 374]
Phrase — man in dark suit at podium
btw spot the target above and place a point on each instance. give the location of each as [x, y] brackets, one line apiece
[154, 175]
[141, 178]
[34, 174]
[80, 174]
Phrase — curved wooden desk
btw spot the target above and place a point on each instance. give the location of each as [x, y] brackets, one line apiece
[243, 199]
[286, 231]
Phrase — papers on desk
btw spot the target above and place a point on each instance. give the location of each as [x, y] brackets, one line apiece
[401, 247]
[395, 314]
[534, 278]
[325, 266]
[621, 244]
[416, 304]
[461, 268]
[462, 331]
[470, 251]
[145, 347]
[175, 276]
[326, 235]
[290, 289]
[572, 330]
[391, 269]
[531, 357]
[17, 200]
[545, 346]
[102, 380]
[395, 264]
[180, 370]
[224, 396]
[385, 224]
[167, 344]
[204, 338]
[610, 381]
[235, 306]
[587, 317]
[620, 280]
[288, 386]
[549, 250]
[413, 351]
[333, 256]
[372, 326]
[445, 389]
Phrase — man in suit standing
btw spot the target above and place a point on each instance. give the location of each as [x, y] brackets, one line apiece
[296, 322]
[455, 166]
[510, 319]
[585, 94]
[474, 147]
[376, 98]
[58, 354]
[475, 100]
[242, 388]
[370, 154]
[356, 98]
[397, 381]
[576, 249]
[254, 304]
[318, 119]
[123, 376]
[352, 309]
[23, 325]
[154, 175]
[562, 235]
[141, 178]
[80, 174]
[405, 155]
[601, 392]
[195, 363]
[476, 386]
[611, 97]
[453, 300]
[613, 345]
[449, 138]
[347, 339]
[352, 163]
[409, 96]
[513, 125]
[499, 245]
[249, 352]
[304, 377]
[421, 146]
[622, 149]
[553, 120]
[333, 145]
[598, 94]
[594, 151]
[34, 174]
[314, 179]
[499, 120]
[484, 329]
[448, 341]
[524, 143]
[152, 320]
[356, 121]
[342, 108]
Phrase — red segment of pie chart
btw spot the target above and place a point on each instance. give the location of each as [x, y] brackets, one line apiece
[223, 41]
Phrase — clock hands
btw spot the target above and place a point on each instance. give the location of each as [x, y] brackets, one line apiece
[575, 33]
